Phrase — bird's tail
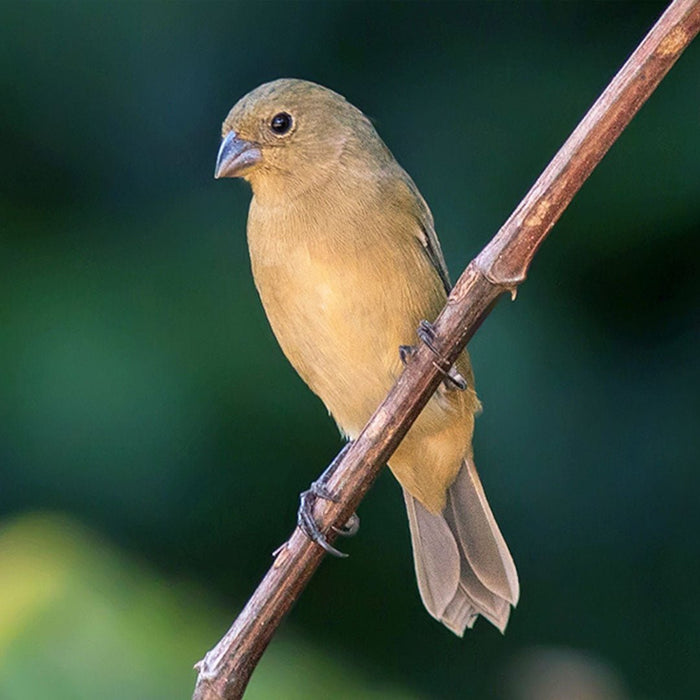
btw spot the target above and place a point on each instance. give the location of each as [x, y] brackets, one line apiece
[463, 566]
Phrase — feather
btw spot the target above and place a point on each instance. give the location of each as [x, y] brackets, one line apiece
[463, 566]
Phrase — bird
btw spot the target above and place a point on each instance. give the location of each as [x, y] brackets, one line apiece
[347, 264]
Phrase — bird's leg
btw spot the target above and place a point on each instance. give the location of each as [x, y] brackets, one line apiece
[307, 499]
[452, 378]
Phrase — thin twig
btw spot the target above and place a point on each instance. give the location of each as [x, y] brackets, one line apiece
[500, 267]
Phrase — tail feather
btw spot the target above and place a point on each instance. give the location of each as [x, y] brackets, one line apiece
[432, 537]
[463, 565]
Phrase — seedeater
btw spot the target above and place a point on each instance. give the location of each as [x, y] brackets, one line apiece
[347, 263]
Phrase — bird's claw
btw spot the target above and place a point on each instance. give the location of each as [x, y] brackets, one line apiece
[350, 528]
[307, 523]
[406, 352]
[305, 517]
[426, 332]
[454, 380]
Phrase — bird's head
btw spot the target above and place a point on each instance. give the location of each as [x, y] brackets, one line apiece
[290, 135]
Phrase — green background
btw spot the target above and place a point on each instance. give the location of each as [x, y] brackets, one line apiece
[153, 438]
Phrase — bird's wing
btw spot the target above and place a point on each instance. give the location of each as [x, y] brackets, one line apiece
[427, 235]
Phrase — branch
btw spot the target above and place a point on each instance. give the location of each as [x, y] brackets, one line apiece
[500, 267]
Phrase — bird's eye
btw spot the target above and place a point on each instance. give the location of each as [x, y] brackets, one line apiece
[281, 123]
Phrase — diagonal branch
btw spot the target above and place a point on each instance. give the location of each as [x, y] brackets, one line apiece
[500, 267]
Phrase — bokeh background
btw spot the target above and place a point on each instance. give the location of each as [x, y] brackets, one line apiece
[153, 439]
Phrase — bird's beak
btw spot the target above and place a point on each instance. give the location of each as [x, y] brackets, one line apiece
[235, 156]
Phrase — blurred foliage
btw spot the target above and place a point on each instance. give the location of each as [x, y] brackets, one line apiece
[81, 622]
[142, 392]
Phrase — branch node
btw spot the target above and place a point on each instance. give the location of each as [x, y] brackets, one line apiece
[486, 265]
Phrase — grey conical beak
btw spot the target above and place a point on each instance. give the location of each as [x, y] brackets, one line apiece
[235, 156]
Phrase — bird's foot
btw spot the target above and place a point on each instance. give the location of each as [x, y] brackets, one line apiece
[305, 517]
[426, 332]
[406, 353]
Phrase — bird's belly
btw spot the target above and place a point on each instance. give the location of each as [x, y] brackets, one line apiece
[340, 309]
[345, 346]
[343, 341]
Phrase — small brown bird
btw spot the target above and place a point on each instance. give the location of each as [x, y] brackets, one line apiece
[347, 263]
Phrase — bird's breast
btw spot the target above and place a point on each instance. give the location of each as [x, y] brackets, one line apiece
[340, 307]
